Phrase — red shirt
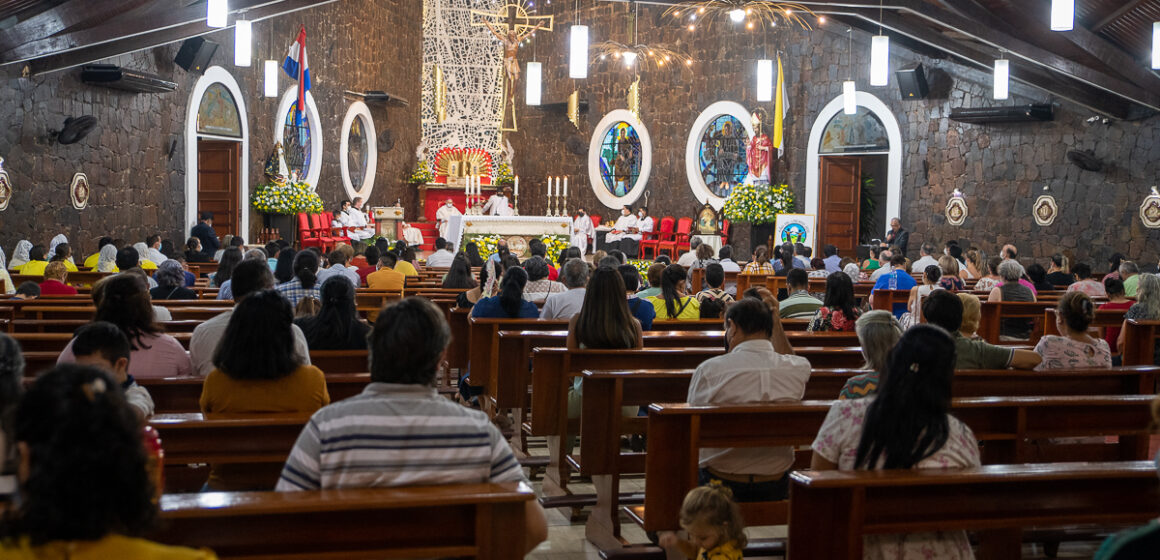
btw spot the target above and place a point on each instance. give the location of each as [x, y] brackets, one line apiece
[363, 272]
[56, 288]
[553, 274]
[1112, 333]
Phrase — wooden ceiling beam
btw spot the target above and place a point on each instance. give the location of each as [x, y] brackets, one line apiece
[71, 14]
[153, 25]
[1119, 13]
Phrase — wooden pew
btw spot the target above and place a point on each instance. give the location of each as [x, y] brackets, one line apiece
[176, 395]
[606, 392]
[1004, 497]
[1008, 428]
[885, 300]
[340, 361]
[485, 521]
[55, 342]
[698, 283]
[1103, 319]
[993, 312]
[79, 278]
[1140, 342]
[71, 325]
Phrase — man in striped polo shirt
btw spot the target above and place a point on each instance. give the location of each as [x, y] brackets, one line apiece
[800, 304]
[399, 431]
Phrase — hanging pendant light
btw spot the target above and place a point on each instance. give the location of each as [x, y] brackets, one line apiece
[271, 71]
[532, 95]
[243, 43]
[578, 53]
[849, 97]
[1002, 78]
[216, 13]
[764, 80]
[880, 60]
[1156, 45]
[1062, 15]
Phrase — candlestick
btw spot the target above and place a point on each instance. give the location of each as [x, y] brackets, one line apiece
[565, 187]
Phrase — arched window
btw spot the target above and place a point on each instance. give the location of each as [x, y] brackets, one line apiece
[358, 151]
[218, 112]
[301, 138]
[715, 151]
[619, 159]
[861, 132]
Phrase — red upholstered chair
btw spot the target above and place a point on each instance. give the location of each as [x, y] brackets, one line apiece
[323, 233]
[724, 232]
[307, 236]
[652, 239]
[337, 233]
[679, 240]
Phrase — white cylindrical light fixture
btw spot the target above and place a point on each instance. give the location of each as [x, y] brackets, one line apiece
[271, 70]
[1156, 45]
[532, 95]
[1062, 15]
[216, 13]
[629, 58]
[578, 52]
[879, 60]
[849, 97]
[1002, 78]
[243, 42]
[764, 80]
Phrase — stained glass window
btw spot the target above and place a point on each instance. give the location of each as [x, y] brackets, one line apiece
[217, 113]
[296, 142]
[356, 152]
[722, 154]
[860, 132]
[620, 158]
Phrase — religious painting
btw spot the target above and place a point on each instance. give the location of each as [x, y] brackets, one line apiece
[217, 113]
[357, 154]
[620, 158]
[861, 132]
[457, 163]
[1045, 210]
[296, 142]
[5, 187]
[796, 228]
[956, 210]
[79, 191]
[1150, 210]
[707, 223]
[722, 155]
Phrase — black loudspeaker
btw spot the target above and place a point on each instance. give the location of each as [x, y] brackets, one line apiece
[912, 83]
[195, 54]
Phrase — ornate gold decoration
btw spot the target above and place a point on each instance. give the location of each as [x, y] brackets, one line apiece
[659, 56]
[517, 245]
[519, 26]
[79, 191]
[956, 210]
[5, 187]
[1150, 210]
[574, 109]
[515, 17]
[457, 163]
[1045, 209]
[766, 13]
[634, 98]
[440, 95]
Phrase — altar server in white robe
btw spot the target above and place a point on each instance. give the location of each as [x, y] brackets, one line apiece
[620, 230]
[411, 235]
[357, 220]
[582, 229]
[443, 216]
[631, 242]
[498, 204]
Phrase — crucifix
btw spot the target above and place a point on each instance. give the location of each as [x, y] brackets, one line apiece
[511, 24]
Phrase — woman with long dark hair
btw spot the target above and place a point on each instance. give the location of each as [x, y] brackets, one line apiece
[256, 370]
[604, 320]
[784, 263]
[674, 302]
[337, 325]
[284, 270]
[471, 250]
[839, 310]
[458, 275]
[905, 425]
[510, 303]
[230, 258]
[193, 251]
[123, 300]
[304, 284]
[87, 492]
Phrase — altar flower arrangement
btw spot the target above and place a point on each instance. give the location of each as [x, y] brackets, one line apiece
[488, 244]
[285, 198]
[503, 175]
[422, 173]
[758, 204]
[556, 244]
[642, 268]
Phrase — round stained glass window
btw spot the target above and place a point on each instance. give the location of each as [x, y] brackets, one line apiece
[296, 141]
[722, 155]
[620, 158]
[356, 151]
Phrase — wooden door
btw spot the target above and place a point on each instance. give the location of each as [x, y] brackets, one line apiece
[218, 185]
[840, 202]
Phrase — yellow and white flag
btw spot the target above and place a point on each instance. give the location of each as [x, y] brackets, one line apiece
[780, 111]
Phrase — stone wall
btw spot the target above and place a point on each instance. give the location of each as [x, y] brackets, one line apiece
[139, 183]
[1000, 168]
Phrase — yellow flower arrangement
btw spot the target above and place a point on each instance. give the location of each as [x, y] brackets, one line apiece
[758, 204]
[293, 198]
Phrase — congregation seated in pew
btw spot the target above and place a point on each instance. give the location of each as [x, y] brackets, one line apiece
[1074, 347]
[337, 325]
[878, 332]
[944, 309]
[102, 345]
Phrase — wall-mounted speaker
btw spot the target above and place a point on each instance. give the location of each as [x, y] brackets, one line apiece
[195, 54]
[912, 83]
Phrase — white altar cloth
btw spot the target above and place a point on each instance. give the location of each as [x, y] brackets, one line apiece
[524, 226]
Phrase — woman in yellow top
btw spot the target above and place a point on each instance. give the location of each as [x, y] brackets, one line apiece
[85, 489]
[257, 371]
[91, 262]
[674, 303]
[36, 262]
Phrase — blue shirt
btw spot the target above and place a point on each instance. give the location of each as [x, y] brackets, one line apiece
[489, 308]
[897, 279]
[832, 263]
[643, 311]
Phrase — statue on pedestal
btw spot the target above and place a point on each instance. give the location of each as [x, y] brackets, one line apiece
[758, 153]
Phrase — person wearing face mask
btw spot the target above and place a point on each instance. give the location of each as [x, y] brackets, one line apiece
[630, 245]
[443, 216]
[582, 229]
[759, 367]
[620, 231]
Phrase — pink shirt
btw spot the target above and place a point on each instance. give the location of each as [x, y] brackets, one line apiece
[164, 357]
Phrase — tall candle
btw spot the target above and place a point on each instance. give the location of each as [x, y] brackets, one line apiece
[516, 192]
[565, 187]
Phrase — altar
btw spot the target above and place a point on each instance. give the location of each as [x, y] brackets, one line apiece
[517, 230]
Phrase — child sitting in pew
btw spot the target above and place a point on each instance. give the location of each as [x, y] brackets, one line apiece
[713, 523]
[85, 490]
[102, 345]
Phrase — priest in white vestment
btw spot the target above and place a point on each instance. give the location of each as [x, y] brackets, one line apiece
[620, 230]
[411, 235]
[357, 221]
[498, 204]
[582, 229]
[443, 216]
